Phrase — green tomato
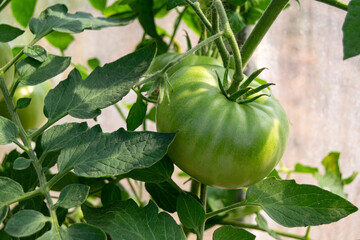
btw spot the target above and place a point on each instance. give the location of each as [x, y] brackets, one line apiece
[32, 116]
[5, 57]
[163, 59]
[219, 142]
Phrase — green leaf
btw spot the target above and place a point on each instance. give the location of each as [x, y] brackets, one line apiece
[73, 195]
[126, 221]
[157, 173]
[22, 103]
[175, 3]
[33, 72]
[121, 152]
[55, 235]
[235, 21]
[8, 131]
[93, 63]
[297, 205]
[192, 21]
[136, 115]
[332, 177]
[85, 231]
[84, 72]
[261, 221]
[60, 40]
[98, 4]
[104, 87]
[110, 193]
[56, 18]
[274, 174]
[3, 213]
[219, 198]
[191, 213]
[231, 233]
[23, 10]
[36, 52]
[25, 223]
[9, 33]
[59, 136]
[151, 114]
[164, 194]
[351, 30]
[21, 163]
[300, 168]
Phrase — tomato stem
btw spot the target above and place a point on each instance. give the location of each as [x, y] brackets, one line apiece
[263, 25]
[203, 198]
[229, 35]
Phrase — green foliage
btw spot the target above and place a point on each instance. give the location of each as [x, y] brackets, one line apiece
[100, 177]
[351, 30]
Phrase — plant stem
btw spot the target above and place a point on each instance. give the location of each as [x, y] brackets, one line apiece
[4, 4]
[225, 209]
[176, 26]
[219, 43]
[335, 3]
[263, 25]
[30, 152]
[229, 35]
[256, 227]
[134, 191]
[203, 197]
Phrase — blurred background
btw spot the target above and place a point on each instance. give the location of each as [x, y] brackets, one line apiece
[303, 52]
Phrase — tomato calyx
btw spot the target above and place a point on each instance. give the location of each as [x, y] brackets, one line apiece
[245, 93]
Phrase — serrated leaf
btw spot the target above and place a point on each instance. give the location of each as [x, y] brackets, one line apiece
[8, 131]
[121, 152]
[22, 103]
[9, 33]
[93, 63]
[56, 18]
[32, 72]
[262, 223]
[126, 221]
[36, 52]
[351, 30]
[104, 87]
[157, 173]
[73, 195]
[164, 194]
[23, 10]
[136, 114]
[59, 136]
[191, 213]
[98, 4]
[21, 163]
[60, 40]
[231, 233]
[25, 223]
[297, 205]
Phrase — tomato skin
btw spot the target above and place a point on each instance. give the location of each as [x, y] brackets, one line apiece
[219, 142]
[163, 59]
[32, 116]
[5, 57]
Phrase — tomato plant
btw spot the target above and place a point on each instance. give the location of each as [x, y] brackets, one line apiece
[224, 129]
[221, 142]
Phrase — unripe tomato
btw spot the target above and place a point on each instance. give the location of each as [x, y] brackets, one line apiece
[5, 57]
[163, 59]
[219, 142]
[32, 116]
